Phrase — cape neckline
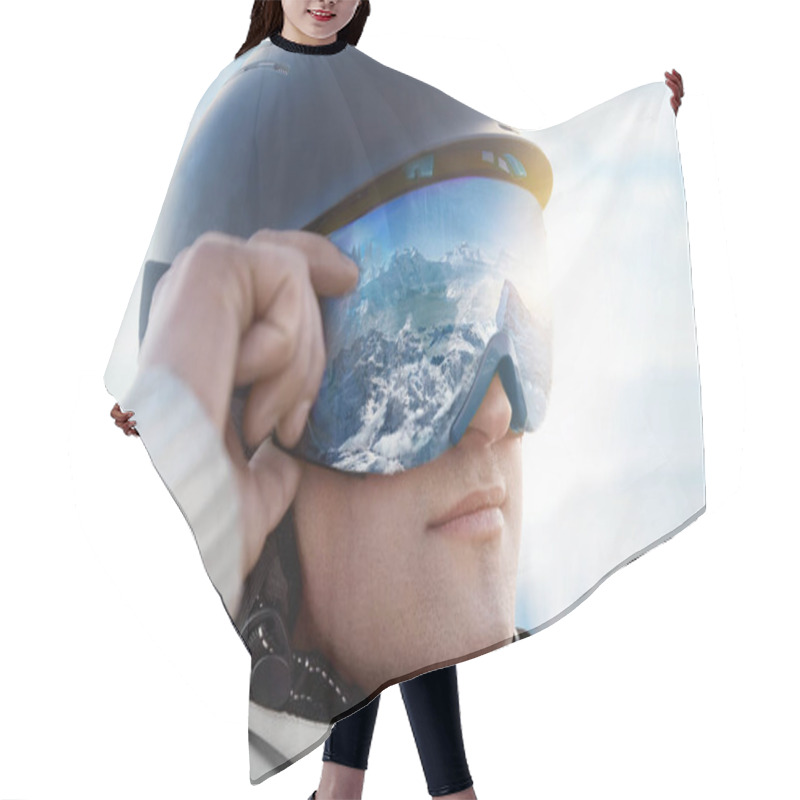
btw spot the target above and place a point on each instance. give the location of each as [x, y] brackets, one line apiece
[308, 49]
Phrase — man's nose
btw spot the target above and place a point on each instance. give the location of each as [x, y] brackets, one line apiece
[493, 417]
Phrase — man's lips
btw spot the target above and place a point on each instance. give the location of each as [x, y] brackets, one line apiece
[488, 498]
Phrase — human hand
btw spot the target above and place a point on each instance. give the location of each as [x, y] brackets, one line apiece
[231, 312]
[675, 82]
[122, 419]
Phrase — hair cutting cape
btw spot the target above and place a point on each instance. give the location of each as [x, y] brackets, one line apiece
[615, 465]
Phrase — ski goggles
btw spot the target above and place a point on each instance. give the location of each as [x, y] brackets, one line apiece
[452, 290]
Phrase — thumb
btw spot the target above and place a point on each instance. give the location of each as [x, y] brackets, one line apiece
[268, 484]
[331, 272]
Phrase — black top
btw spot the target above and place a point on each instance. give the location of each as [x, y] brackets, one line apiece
[309, 49]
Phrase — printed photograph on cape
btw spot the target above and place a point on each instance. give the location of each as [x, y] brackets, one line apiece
[509, 409]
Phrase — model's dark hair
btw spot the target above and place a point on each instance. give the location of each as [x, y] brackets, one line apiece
[266, 18]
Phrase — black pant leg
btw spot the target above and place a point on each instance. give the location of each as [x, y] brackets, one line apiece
[351, 738]
[433, 710]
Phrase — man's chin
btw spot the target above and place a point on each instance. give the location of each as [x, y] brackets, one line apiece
[430, 649]
[471, 639]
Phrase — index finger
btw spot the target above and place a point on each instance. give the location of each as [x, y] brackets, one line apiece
[331, 272]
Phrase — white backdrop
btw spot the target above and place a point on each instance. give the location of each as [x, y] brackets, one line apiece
[120, 674]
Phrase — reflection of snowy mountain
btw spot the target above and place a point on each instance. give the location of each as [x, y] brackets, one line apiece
[386, 397]
[409, 270]
[403, 351]
[466, 255]
[458, 288]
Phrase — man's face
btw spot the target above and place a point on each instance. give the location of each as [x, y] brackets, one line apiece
[407, 570]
